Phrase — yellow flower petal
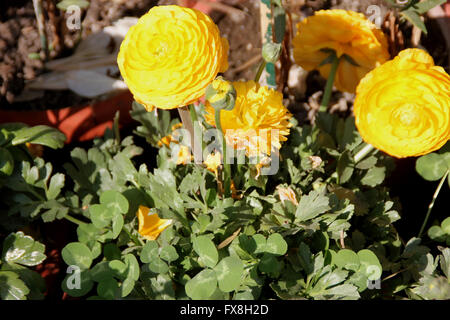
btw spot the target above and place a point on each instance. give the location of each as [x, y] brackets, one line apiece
[213, 162]
[184, 155]
[258, 110]
[150, 225]
[170, 56]
[346, 32]
[287, 194]
[403, 106]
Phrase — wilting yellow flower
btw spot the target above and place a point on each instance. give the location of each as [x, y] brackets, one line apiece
[403, 106]
[287, 194]
[234, 193]
[184, 155]
[150, 225]
[346, 32]
[169, 138]
[264, 162]
[213, 162]
[258, 111]
[170, 56]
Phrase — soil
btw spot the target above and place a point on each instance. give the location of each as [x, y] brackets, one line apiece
[20, 45]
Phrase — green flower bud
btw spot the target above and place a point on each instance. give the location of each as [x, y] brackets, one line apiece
[271, 52]
[221, 94]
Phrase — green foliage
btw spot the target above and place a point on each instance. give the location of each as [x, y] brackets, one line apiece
[17, 282]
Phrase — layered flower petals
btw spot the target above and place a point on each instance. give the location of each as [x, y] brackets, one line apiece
[403, 106]
[170, 56]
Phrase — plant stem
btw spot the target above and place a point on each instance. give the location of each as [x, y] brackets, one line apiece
[260, 70]
[430, 207]
[198, 139]
[74, 220]
[363, 152]
[41, 27]
[329, 86]
[226, 166]
[187, 123]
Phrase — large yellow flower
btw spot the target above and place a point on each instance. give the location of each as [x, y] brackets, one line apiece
[258, 110]
[150, 225]
[403, 106]
[346, 32]
[170, 56]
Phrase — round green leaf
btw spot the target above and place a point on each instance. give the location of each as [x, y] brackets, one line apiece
[229, 272]
[149, 251]
[6, 162]
[118, 268]
[115, 201]
[111, 251]
[347, 259]
[100, 215]
[432, 166]
[370, 265]
[22, 249]
[76, 288]
[445, 225]
[78, 254]
[168, 253]
[158, 266]
[202, 286]
[206, 250]
[101, 271]
[108, 289]
[437, 234]
[276, 244]
[132, 266]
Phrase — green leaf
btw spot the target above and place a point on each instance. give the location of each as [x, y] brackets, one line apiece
[149, 251]
[445, 225]
[311, 206]
[276, 244]
[11, 287]
[202, 286]
[370, 265]
[100, 215]
[425, 6]
[108, 289]
[169, 253]
[118, 268]
[279, 16]
[229, 271]
[432, 166]
[132, 266]
[162, 286]
[78, 254]
[345, 167]
[306, 258]
[437, 234]
[374, 176]
[55, 186]
[206, 250]
[22, 249]
[102, 271]
[347, 259]
[115, 201]
[6, 162]
[70, 286]
[43, 135]
[412, 16]
[158, 266]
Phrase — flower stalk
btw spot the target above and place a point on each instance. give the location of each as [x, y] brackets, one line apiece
[329, 86]
[226, 166]
[431, 205]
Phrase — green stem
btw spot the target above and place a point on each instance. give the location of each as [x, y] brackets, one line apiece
[41, 27]
[136, 241]
[329, 86]
[363, 152]
[226, 166]
[74, 220]
[430, 207]
[198, 140]
[260, 70]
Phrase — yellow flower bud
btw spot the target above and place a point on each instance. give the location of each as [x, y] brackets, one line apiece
[221, 94]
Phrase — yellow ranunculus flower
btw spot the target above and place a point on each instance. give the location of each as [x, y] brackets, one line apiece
[170, 56]
[150, 225]
[346, 32]
[258, 110]
[403, 106]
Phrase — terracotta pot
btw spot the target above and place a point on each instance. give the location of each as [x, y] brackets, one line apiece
[78, 123]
